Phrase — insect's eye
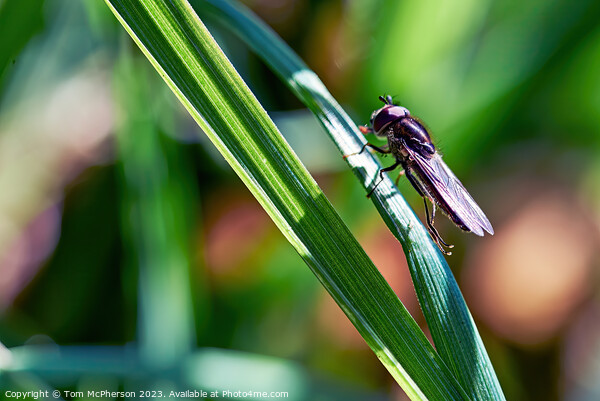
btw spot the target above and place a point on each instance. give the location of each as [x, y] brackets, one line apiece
[385, 116]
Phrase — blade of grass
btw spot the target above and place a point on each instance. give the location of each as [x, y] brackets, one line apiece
[158, 204]
[452, 327]
[187, 57]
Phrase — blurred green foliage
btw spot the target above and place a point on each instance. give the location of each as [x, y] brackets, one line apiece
[511, 91]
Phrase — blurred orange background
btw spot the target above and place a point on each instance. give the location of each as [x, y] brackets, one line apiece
[510, 91]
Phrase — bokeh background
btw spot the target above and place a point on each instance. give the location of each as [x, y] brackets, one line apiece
[121, 228]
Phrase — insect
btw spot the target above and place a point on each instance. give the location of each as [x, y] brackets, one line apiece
[410, 144]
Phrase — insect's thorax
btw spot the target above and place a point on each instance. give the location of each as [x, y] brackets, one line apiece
[397, 145]
[408, 135]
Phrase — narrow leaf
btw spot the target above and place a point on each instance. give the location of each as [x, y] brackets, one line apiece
[186, 56]
[452, 327]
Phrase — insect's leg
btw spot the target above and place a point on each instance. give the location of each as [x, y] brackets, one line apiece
[432, 230]
[414, 182]
[383, 149]
[383, 170]
[439, 236]
[400, 174]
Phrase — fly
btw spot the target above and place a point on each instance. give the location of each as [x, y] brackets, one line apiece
[410, 144]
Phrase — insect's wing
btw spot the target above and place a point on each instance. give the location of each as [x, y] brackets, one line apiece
[449, 189]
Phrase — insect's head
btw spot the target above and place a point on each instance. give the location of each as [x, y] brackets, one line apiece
[384, 116]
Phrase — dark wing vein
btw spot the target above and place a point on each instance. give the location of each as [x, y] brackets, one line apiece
[450, 189]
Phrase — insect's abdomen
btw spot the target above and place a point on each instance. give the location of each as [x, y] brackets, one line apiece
[433, 194]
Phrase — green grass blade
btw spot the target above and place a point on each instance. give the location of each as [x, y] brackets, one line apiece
[158, 205]
[186, 56]
[452, 327]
